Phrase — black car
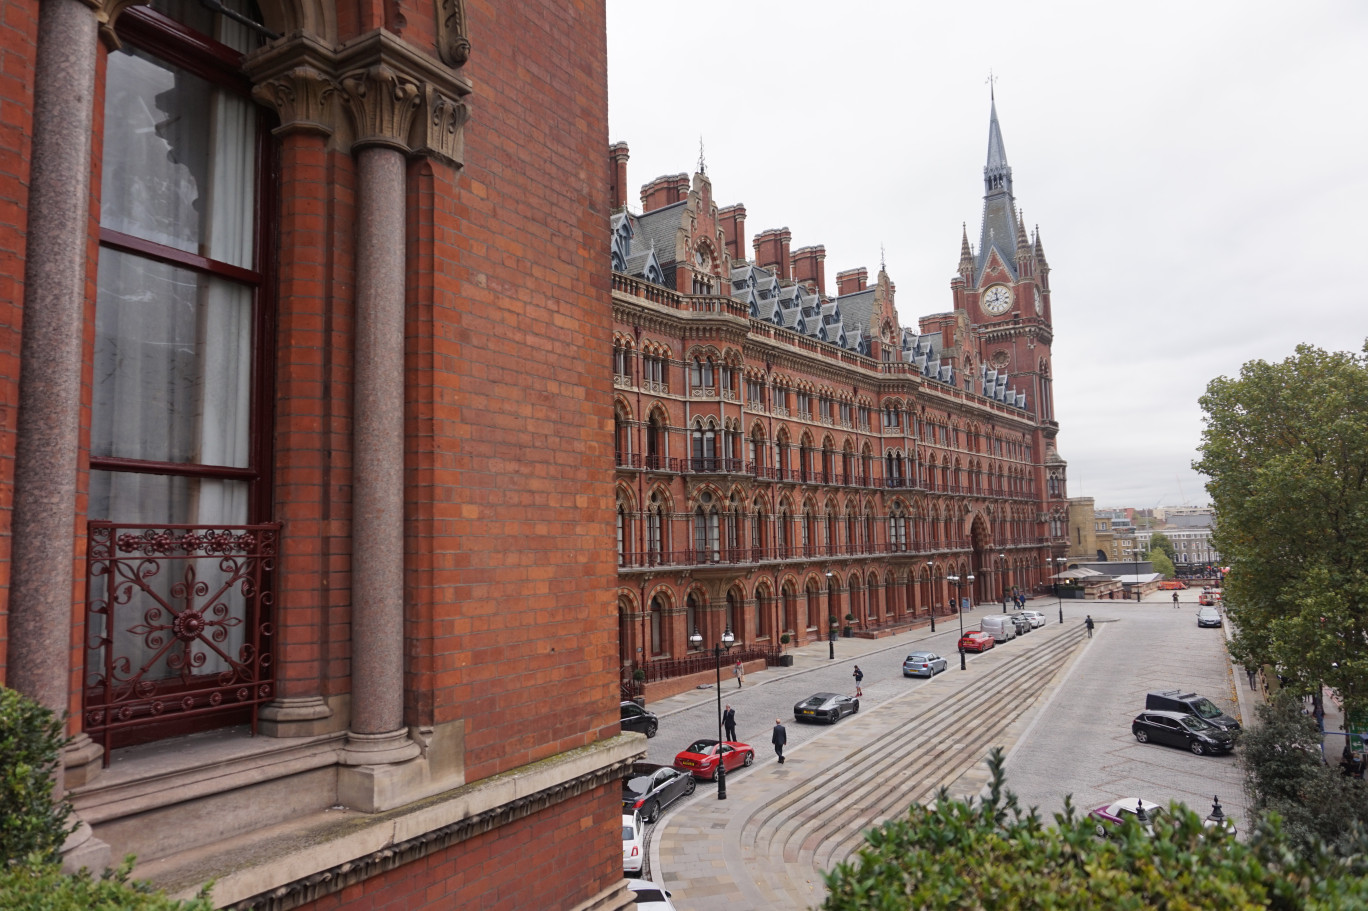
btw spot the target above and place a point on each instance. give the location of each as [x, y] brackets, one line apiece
[1023, 623]
[1181, 730]
[652, 787]
[828, 707]
[635, 718]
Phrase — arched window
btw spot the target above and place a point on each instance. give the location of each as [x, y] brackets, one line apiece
[656, 433]
[657, 612]
[704, 448]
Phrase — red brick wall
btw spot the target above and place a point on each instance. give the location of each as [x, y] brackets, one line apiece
[555, 859]
[18, 35]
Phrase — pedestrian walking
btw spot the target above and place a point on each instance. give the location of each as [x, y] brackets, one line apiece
[859, 679]
[739, 672]
[1089, 624]
[779, 738]
[1175, 600]
[1252, 674]
[729, 722]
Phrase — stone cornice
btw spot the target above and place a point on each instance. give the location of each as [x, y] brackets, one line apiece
[393, 94]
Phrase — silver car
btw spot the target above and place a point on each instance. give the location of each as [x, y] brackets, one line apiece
[923, 664]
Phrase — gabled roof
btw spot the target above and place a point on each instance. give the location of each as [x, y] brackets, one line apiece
[658, 230]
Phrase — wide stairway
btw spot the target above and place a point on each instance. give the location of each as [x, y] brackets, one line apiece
[782, 825]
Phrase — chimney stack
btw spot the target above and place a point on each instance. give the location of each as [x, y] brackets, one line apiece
[663, 191]
[772, 251]
[733, 220]
[617, 156]
[809, 267]
[852, 280]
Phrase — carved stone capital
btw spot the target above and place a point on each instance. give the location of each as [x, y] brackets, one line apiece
[382, 104]
[107, 13]
[303, 98]
[452, 44]
[439, 131]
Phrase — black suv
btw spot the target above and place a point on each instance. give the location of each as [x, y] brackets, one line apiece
[1192, 704]
[635, 718]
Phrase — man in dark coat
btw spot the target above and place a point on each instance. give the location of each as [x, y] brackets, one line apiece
[1089, 624]
[729, 722]
[779, 738]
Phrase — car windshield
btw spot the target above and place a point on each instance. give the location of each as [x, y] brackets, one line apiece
[627, 833]
[701, 746]
[814, 701]
[1205, 707]
[1194, 723]
[918, 657]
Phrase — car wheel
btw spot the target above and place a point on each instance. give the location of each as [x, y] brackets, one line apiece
[1101, 831]
[689, 788]
[1142, 736]
[750, 757]
[1197, 748]
[652, 812]
[651, 729]
[714, 774]
[856, 709]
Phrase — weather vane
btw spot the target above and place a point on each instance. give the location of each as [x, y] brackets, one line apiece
[990, 80]
[702, 163]
[883, 261]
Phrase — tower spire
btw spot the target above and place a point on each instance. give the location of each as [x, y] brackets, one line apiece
[1000, 224]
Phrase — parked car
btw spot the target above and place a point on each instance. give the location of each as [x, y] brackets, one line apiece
[1181, 730]
[976, 641]
[1036, 617]
[1172, 585]
[1001, 628]
[1209, 616]
[1192, 704]
[633, 844]
[635, 718]
[1023, 623]
[699, 758]
[652, 787]
[923, 664]
[1114, 814]
[1206, 599]
[828, 707]
[650, 896]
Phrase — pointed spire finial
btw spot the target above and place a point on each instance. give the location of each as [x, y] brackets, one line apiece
[990, 80]
[883, 262]
[702, 162]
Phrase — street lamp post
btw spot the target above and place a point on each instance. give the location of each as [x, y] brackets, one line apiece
[831, 627]
[959, 589]
[1059, 565]
[1135, 552]
[696, 639]
[932, 567]
[1002, 558]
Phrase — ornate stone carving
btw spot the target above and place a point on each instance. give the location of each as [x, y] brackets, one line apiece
[107, 13]
[382, 104]
[303, 97]
[452, 44]
[439, 131]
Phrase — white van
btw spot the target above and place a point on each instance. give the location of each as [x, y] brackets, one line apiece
[1001, 628]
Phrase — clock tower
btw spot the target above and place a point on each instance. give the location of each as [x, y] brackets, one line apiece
[1003, 287]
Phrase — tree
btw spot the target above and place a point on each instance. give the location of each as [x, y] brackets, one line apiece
[1281, 757]
[1160, 542]
[1285, 449]
[1161, 563]
[992, 854]
[32, 823]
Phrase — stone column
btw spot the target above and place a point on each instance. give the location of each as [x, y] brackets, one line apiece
[383, 104]
[49, 418]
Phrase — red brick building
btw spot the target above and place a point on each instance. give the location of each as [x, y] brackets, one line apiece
[790, 457]
[305, 500]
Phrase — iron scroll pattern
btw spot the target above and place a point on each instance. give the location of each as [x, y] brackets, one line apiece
[178, 624]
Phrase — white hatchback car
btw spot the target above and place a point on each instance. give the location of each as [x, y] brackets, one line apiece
[633, 844]
[650, 896]
[1036, 617]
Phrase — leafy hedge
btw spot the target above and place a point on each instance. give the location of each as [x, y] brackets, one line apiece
[992, 854]
[31, 741]
[33, 827]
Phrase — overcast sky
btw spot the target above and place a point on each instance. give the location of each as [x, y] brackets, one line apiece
[1199, 173]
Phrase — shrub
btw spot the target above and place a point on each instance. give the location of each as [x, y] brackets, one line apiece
[992, 854]
[31, 741]
[41, 886]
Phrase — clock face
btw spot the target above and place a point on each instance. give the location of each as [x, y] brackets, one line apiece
[997, 299]
[1040, 304]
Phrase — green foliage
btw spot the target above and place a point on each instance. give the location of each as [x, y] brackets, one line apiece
[1159, 542]
[992, 854]
[1286, 451]
[1281, 757]
[1162, 564]
[41, 886]
[31, 741]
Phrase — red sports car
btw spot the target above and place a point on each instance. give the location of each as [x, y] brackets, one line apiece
[700, 758]
[976, 642]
